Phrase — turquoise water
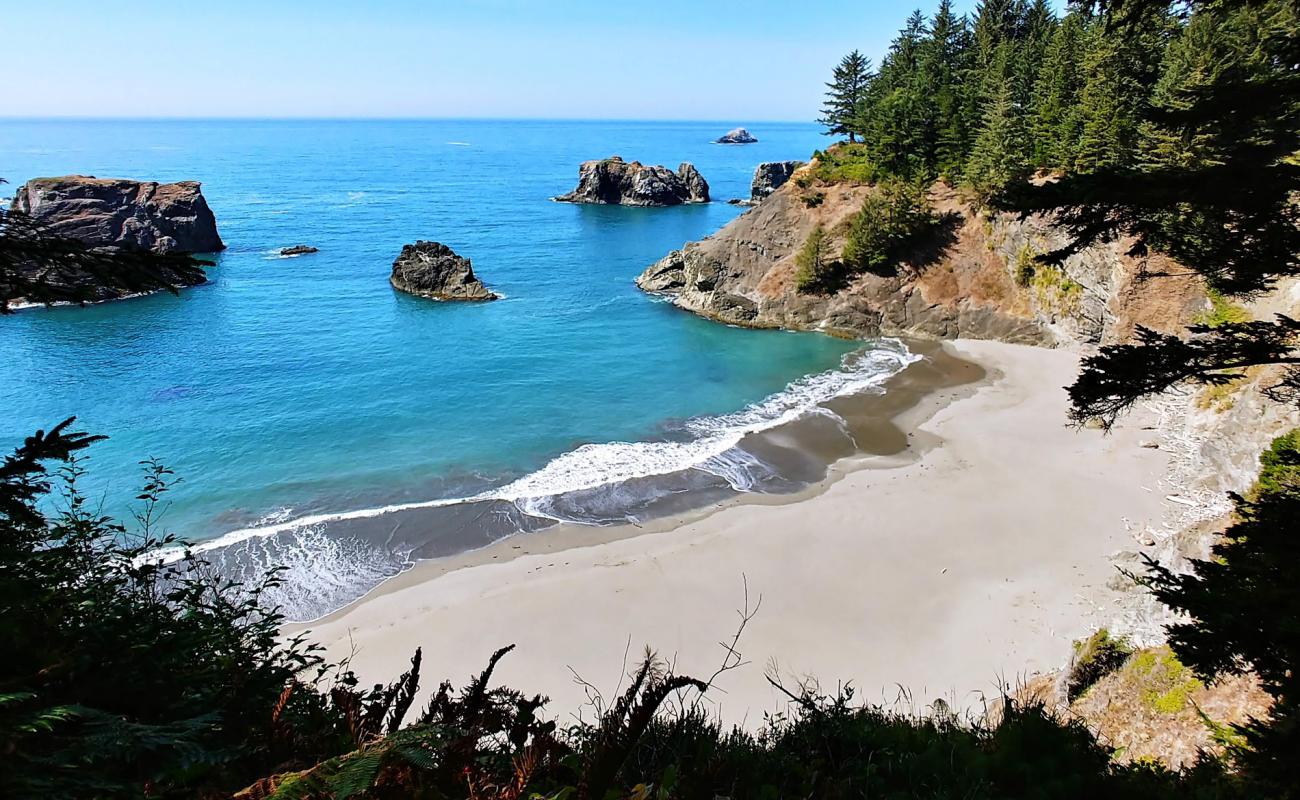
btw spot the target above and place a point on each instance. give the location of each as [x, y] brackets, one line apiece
[297, 386]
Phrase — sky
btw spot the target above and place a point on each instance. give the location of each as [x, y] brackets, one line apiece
[754, 60]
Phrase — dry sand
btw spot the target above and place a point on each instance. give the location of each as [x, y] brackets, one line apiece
[961, 565]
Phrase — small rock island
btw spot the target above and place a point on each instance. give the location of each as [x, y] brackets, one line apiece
[131, 215]
[298, 250]
[736, 136]
[107, 215]
[613, 181]
[435, 271]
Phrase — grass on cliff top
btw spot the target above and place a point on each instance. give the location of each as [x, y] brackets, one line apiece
[841, 163]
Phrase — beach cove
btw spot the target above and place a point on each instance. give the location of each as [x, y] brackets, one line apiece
[953, 568]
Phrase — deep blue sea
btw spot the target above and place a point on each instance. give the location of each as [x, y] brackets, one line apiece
[307, 387]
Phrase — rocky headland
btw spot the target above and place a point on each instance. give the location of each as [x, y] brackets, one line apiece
[435, 271]
[613, 181]
[131, 215]
[736, 136]
[963, 283]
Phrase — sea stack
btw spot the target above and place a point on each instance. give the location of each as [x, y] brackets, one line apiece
[771, 176]
[736, 136]
[131, 215]
[433, 270]
[613, 181]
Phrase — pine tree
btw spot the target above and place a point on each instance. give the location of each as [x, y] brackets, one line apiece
[894, 119]
[847, 90]
[944, 62]
[1055, 120]
[814, 262]
[1000, 156]
[1121, 71]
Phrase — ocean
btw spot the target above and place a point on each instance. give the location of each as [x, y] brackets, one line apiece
[322, 422]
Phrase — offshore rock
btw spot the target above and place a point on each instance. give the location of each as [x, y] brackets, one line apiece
[737, 136]
[433, 270]
[298, 250]
[613, 181]
[131, 215]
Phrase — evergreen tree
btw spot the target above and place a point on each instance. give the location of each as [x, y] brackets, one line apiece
[814, 262]
[847, 90]
[1121, 71]
[894, 119]
[1000, 156]
[1055, 120]
[944, 67]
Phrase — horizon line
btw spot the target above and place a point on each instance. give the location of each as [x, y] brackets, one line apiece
[308, 118]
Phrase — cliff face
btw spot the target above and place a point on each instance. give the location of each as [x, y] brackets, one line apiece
[133, 215]
[973, 280]
[613, 181]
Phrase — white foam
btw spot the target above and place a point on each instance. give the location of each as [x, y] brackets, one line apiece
[594, 465]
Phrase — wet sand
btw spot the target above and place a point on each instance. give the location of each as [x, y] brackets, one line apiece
[962, 547]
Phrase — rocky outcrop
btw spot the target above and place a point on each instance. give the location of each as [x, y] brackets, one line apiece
[298, 250]
[971, 280]
[736, 136]
[770, 176]
[613, 181]
[433, 270]
[132, 215]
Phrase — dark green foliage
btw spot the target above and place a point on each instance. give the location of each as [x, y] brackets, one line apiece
[1120, 375]
[72, 591]
[891, 220]
[1001, 155]
[845, 94]
[1244, 612]
[1056, 121]
[1212, 184]
[834, 748]
[814, 263]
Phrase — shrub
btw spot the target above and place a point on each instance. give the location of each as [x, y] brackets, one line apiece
[813, 263]
[890, 221]
[845, 163]
[1280, 466]
[1222, 311]
[1026, 261]
[1095, 658]
[1056, 292]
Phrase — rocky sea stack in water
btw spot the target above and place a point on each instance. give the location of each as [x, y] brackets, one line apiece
[433, 270]
[122, 226]
[613, 181]
[737, 136]
[132, 215]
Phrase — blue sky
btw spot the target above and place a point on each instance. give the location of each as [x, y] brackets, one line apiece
[669, 59]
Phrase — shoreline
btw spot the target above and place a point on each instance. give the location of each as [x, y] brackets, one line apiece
[864, 576]
[883, 426]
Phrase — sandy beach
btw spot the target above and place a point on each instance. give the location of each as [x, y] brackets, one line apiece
[966, 558]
